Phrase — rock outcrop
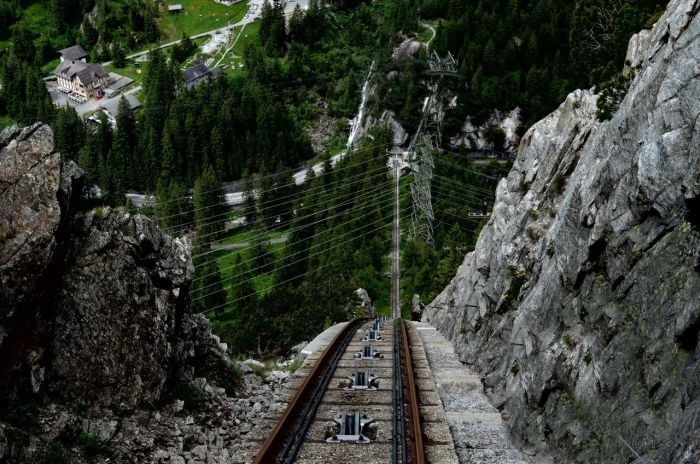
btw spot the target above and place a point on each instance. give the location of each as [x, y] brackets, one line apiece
[365, 307]
[93, 309]
[579, 305]
[476, 138]
[38, 194]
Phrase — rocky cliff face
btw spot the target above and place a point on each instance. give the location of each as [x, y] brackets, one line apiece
[580, 305]
[93, 310]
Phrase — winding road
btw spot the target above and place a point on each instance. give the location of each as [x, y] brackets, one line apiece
[432, 29]
[236, 246]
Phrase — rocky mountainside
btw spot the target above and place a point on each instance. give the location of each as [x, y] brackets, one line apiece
[580, 305]
[99, 354]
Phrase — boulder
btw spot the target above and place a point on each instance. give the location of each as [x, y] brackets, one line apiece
[366, 307]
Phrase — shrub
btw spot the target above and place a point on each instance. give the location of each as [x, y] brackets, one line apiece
[92, 445]
[571, 340]
[56, 454]
[611, 94]
[259, 371]
[232, 378]
[557, 184]
[515, 368]
[294, 366]
[191, 395]
[550, 249]
[513, 293]
[532, 233]
[496, 137]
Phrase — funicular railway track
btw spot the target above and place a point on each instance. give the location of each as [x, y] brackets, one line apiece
[358, 404]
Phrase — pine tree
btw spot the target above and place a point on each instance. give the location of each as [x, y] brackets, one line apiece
[210, 293]
[242, 289]
[250, 204]
[124, 148]
[69, 132]
[266, 20]
[296, 24]
[260, 256]
[303, 229]
[490, 58]
[209, 205]
[118, 55]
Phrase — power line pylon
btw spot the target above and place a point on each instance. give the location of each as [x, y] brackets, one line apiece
[426, 140]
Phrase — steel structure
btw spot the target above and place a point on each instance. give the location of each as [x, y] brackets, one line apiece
[426, 140]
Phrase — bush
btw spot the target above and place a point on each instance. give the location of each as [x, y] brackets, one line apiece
[557, 185]
[496, 137]
[232, 378]
[259, 371]
[56, 454]
[294, 366]
[92, 445]
[611, 95]
[191, 395]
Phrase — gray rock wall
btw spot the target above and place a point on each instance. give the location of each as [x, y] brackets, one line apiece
[580, 306]
[92, 309]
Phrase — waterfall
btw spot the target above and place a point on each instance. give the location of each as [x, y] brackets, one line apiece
[356, 122]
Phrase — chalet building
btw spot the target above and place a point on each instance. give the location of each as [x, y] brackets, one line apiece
[80, 80]
[199, 74]
[74, 53]
[175, 9]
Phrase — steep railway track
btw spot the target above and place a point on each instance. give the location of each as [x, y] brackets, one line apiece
[358, 404]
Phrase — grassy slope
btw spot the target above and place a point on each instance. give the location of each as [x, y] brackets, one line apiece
[262, 284]
[199, 16]
[246, 235]
[129, 71]
[235, 56]
[225, 260]
[5, 121]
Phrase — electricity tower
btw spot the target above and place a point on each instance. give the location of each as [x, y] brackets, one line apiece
[426, 140]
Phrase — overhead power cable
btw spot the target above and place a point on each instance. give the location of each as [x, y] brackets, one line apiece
[456, 166]
[291, 243]
[230, 286]
[297, 242]
[280, 202]
[349, 153]
[323, 266]
[453, 186]
[378, 190]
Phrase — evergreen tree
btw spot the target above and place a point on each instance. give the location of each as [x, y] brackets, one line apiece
[8, 15]
[159, 92]
[242, 290]
[118, 55]
[68, 132]
[250, 204]
[210, 293]
[125, 166]
[23, 45]
[260, 257]
[209, 205]
[296, 24]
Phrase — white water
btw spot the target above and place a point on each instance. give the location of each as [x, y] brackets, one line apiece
[357, 120]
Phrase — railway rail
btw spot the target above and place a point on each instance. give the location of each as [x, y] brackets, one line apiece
[359, 401]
